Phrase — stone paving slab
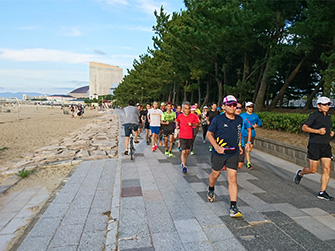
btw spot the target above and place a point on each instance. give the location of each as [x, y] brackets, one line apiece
[153, 206]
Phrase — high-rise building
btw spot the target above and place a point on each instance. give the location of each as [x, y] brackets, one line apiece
[102, 78]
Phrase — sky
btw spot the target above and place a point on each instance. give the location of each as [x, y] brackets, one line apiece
[46, 45]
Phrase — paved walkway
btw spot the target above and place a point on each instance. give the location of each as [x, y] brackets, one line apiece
[148, 204]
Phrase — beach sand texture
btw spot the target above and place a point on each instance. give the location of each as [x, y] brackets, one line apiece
[32, 127]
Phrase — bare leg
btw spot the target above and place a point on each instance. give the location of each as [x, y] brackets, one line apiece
[214, 175]
[171, 142]
[326, 166]
[232, 184]
[184, 155]
[312, 168]
[127, 143]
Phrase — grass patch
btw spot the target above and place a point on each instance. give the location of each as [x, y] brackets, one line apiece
[23, 173]
[3, 149]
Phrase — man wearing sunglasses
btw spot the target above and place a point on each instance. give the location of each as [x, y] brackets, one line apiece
[250, 120]
[224, 134]
[318, 125]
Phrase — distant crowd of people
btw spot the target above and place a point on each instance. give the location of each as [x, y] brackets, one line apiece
[230, 134]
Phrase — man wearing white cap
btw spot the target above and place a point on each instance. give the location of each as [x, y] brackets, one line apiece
[224, 134]
[250, 120]
[318, 125]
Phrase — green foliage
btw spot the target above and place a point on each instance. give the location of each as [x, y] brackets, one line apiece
[287, 122]
[23, 173]
[3, 149]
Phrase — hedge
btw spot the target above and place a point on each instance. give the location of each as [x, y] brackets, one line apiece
[288, 122]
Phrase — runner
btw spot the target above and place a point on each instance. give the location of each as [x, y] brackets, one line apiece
[147, 124]
[167, 121]
[241, 156]
[210, 116]
[195, 128]
[160, 135]
[141, 119]
[131, 115]
[176, 131]
[185, 122]
[318, 125]
[224, 133]
[204, 125]
[254, 121]
[154, 118]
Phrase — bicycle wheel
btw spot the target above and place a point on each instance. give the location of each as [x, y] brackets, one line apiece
[131, 148]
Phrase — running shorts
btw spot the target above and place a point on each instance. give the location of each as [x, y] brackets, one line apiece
[186, 144]
[220, 160]
[155, 129]
[168, 129]
[318, 151]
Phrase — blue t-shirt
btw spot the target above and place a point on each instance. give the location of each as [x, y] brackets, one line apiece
[227, 133]
[248, 121]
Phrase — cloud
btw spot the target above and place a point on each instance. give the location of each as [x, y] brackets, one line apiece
[148, 6]
[46, 55]
[72, 32]
[99, 52]
[113, 2]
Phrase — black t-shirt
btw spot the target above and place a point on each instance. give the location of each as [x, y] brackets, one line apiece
[211, 115]
[318, 120]
[142, 113]
[145, 113]
[227, 132]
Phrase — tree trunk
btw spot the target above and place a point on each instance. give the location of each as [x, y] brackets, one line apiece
[259, 101]
[192, 97]
[310, 98]
[207, 93]
[290, 79]
[199, 92]
[258, 83]
[219, 83]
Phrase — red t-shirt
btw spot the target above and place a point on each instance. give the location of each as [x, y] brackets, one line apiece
[186, 131]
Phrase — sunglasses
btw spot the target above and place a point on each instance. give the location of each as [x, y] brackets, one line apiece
[238, 108]
[326, 104]
[231, 104]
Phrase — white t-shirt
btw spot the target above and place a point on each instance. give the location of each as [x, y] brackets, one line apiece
[155, 117]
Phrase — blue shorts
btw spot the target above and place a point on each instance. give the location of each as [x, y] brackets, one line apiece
[127, 130]
[155, 129]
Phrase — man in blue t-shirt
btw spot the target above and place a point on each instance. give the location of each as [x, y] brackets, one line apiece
[224, 134]
[250, 120]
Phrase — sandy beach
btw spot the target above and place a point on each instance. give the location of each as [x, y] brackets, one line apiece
[28, 128]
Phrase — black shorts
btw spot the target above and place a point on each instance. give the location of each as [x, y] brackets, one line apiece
[146, 125]
[186, 144]
[220, 160]
[241, 156]
[318, 151]
[168, 130]
[252, 140]
[127, 129]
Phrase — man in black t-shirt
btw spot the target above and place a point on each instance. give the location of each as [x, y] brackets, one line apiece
[224, 134]
[318, 125]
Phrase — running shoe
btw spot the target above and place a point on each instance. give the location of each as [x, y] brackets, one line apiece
[153, 148]
[192, 152]
[170, 154]
[178, 148]
[204, 141]
[160, 143]
[211, 196]
[249, 166]
[325, 196]
[148, 142]
[125, 152]
[184, 168]
[234, 212]
[210, 148]
[166, 152]
[297, 177]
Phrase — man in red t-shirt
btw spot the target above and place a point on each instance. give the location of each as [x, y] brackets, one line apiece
[185, 122]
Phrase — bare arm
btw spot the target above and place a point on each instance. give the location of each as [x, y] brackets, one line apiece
[306, 128]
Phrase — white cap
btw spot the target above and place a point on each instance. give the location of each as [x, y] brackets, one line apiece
[229, 99]
[193, 108]
[248, 103]
[163, 103]
[205, 107]
[323, 100]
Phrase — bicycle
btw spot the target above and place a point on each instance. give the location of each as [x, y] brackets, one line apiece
[131, 143]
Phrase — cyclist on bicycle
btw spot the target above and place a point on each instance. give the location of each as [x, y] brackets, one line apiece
[131, 115]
